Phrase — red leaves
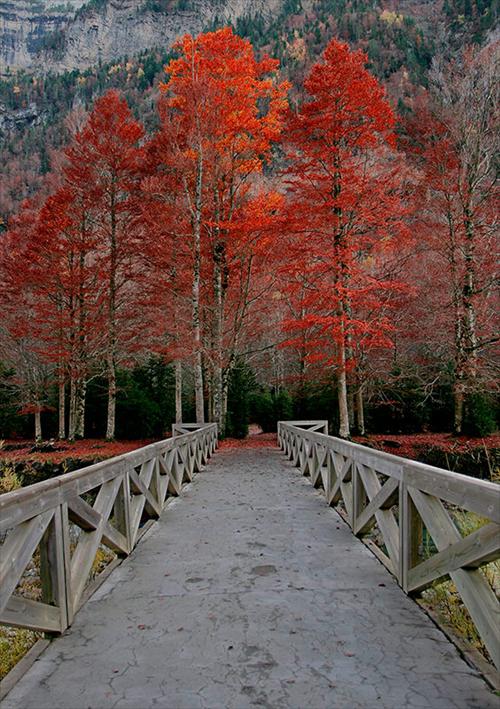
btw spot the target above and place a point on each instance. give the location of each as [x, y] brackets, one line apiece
[412, 445]
[90, 449]
[35, 409]
[221, 112]
[261, 440]
[345, 208]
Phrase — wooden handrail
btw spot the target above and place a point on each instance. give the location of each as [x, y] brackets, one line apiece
[400, 497]
[109, 503]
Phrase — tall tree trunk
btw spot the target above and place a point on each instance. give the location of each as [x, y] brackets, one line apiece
[80, 408]
[469, 290]
[458, 387]
[111, 417]
[77, 393]
[465, 330]
[351, 405]
[38, 425]
[111, 349]
[78, 366]
[217, 397]
[344, 430]
[458, 414]
[218, 327]
[62, 406]
[341, 279]
[360, 411]
[72, 408]
[224, 390]
[347, 309]
[224, 403]
[61, 373]
[209, 397]
[198, 385]
[178, 390]
[198, 362]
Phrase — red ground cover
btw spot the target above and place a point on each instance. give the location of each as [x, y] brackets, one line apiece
[407, 446]
[410, 445]
[89, 449]
[260, 440]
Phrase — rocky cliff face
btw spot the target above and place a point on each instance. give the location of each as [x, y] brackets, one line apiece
[38, 36]
[25, 26]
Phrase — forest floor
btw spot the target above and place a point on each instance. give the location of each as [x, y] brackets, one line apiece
[476, 456]
[410, 445]
[58, 451]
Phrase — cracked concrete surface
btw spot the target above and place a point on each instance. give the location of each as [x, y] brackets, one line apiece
[250, 592]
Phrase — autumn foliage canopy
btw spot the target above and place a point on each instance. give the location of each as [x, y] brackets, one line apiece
[248, 228]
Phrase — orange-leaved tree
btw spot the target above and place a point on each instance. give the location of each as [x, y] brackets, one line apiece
[222, 110]
[106, 159]
[345, 208]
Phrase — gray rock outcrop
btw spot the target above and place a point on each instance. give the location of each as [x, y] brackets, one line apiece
[39, 36]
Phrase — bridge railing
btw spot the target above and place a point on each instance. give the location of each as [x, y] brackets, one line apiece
[400, 503]
[52, 532]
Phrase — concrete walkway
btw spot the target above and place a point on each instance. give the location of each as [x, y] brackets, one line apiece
[251, 592]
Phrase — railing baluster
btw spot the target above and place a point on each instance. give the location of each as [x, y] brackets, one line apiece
[52, 568]
[122, 510]
[410, 535]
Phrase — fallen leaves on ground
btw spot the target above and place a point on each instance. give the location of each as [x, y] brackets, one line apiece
[261, 440]
[409, 446]
[88, 449]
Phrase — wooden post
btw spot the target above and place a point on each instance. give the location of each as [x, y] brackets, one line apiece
[122, 511]
[410, 535]
[358, 496]
[52, 568]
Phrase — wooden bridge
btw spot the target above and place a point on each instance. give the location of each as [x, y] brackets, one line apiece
[249, 591]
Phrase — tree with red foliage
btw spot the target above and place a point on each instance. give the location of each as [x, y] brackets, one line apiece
[345, 208]
[105, 158]
[167, 264]
[456, 138]
[20, 344]
[221, 113]
[67, 287]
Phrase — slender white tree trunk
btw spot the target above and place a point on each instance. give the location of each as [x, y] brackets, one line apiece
[111, 417]
[38, 425]
[72, 409]
[77, 392]
[466, 330]
[360, 410]
[344, 430]
[111, 349]
[62, 406]
[80, 408]
[198, 364]
[178, 391]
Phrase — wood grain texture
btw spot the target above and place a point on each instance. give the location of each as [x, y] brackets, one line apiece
[110, 503]
[397, 498]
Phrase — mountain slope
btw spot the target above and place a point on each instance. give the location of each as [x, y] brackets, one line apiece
[41, 37]
[400, 38]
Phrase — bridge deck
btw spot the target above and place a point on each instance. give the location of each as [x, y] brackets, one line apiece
[250, 592]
